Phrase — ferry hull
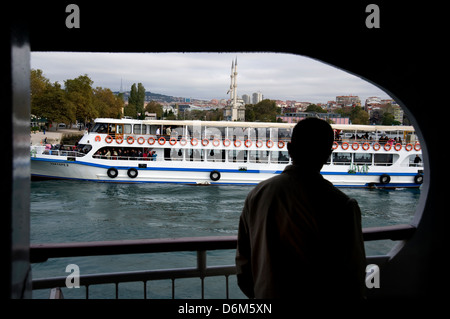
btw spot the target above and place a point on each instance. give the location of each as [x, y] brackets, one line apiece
[150, 172]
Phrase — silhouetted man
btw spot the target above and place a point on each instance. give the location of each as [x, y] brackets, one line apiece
[299, 236]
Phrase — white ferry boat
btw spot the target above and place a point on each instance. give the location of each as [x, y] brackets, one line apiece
[203, 152]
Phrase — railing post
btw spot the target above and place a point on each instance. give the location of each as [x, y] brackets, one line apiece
[201, 267]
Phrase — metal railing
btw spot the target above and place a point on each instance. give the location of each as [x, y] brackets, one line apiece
[42, 252]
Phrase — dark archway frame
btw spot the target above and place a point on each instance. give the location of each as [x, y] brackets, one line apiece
[334, 34]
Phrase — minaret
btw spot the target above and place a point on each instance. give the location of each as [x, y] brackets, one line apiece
[231, 91]
[234, 84]
[234, 108]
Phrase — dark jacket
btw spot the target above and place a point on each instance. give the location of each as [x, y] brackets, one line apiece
[300, 237]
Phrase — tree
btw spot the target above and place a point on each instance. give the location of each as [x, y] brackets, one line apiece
[49, 100]
[79, 92]
[356, 114]
[107, 104]
[359, 116]
[264, 111]
[136, 100]
[53, 104]
[38, 84]
[315, 108]
[154, 107]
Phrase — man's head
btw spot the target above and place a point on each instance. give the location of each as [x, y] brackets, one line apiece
[311, 143]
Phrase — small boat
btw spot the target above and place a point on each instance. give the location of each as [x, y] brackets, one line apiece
[208, 153]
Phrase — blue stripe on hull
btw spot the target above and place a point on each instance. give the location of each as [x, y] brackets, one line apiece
[225, 170]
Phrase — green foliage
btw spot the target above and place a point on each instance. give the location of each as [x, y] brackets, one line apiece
[154, 107]
[107, 104]
[264, 111]
[356, 114]
[77, 101]
[79, 93]
[315, 108]
[135, 107]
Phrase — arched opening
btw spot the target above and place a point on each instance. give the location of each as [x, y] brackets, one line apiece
[374, 215]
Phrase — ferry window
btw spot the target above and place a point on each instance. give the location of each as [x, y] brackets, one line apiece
[100, 128]
[153, 129]
[214, 155]
[176, 154]
[383, 159]
[259, 157]
[237, 156]
[415, 160]
[167, 154]
[194, 155]
[342, 158]
[280, 157]
[194, 131]
[175, 132]
[362, 158]
[127, 128]
[239, 133]
[112, 129]
[137, 129]
[284, 134]
[214, 132]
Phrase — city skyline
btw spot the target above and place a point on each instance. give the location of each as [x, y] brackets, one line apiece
[205, 76]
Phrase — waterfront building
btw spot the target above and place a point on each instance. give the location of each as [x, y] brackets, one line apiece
[246, 99]
[348, 100]
[257, 97]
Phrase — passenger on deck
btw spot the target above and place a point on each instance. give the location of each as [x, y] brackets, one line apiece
[299, 236]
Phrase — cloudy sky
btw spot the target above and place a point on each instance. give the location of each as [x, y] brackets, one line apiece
[207, 75]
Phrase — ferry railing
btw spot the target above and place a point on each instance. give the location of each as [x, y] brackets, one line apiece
[42, 252]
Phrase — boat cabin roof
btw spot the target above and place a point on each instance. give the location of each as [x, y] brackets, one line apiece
[351, 127]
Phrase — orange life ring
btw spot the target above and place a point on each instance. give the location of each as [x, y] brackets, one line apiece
[259, 143]
[398, 147]
[161, 140]
[226, 142]
[365, 146]
[269, 143]
[141, 139]
[108, 139]
[355, 146]
[417, 147]
[335, 145]
[130, 138]
[205, 141]
[216, 142]
[248, 143]
[194, 141]
[173, 141]
[151, 140]
[281, 144]
[98, 138]
[119, 139]
[409, 147]
[387, 147]
[345, 146]
[237, 142]
[183, 141]
[376, 146]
